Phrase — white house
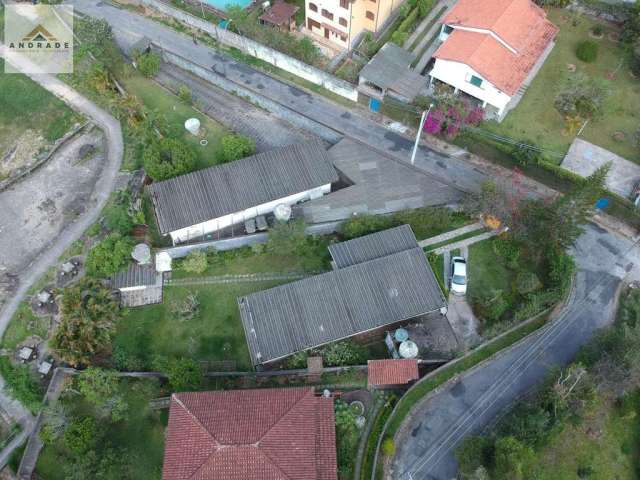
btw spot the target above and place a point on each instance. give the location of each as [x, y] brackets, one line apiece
[206, 201]
[492, 49]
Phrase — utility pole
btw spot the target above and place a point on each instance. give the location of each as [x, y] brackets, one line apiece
[425, 114]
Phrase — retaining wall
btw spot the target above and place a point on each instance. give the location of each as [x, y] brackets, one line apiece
[255, 49]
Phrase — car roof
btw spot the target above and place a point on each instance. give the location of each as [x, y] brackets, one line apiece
[459, 267]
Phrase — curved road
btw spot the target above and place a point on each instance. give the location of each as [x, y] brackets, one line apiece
[427, 440]
[104, 186]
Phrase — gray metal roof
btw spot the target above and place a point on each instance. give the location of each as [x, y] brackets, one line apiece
[390, 68]
[338, 304]
[370, 247]
[136, 276]
[216, 191]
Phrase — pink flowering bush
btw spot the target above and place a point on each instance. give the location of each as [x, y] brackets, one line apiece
[450, 116]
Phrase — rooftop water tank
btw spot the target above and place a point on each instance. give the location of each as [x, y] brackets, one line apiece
[141, 253]
[282, 212]
[193, 126]
[408, 349]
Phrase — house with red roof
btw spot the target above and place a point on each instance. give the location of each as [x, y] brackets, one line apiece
[262, 434]
[492, 49]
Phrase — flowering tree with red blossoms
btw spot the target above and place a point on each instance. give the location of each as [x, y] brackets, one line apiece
[451, 115]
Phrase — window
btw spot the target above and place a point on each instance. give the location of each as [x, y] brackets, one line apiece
[313, 24]
[476, 81]
[344, 4]
[370, 15]
[327, 14]
[343, 38]
[343, 22]
[448, 29]
[313, 7]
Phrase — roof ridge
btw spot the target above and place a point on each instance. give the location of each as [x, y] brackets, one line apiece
[309, 390]
[195, 419]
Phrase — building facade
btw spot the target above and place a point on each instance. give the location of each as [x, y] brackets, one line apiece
[342, 21]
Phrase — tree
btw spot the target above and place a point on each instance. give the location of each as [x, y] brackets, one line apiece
[81, 436]
[235, 147]
[88, 315]
[195, 262]
[54, 422]
[100, 388]
[149, 63]
[167, 158]
[581, 95]
[109, 256]
[527, 282]
[116, 214]
[512, 459]
[184, 94]
[287, 238]
[96, 38]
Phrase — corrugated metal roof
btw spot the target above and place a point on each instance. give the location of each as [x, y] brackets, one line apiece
[373, 246]
[216, 191]
[390, 68]
[136, 276]
[338, 304]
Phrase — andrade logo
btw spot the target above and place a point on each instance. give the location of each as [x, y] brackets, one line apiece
[39, 38]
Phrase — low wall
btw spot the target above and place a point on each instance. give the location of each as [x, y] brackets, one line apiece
[244, 241]
[255, 49]
[279, 110]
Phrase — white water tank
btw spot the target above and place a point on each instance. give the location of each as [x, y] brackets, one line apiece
[193, 126]
[163, 262]
[141, 254]
[408, 349]
[282, 212]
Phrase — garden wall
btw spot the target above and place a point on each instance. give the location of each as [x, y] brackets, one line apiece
[255, 49]
[277, 109]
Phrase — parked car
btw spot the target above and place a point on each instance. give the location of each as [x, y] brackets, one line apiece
[459, 275]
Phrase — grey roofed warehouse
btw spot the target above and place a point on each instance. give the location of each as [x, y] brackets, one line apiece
[233, 187]
[378, 291]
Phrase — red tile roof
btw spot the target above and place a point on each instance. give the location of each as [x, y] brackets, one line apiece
[520, 24]
[280, 13]
[392, 372]
[266, 434]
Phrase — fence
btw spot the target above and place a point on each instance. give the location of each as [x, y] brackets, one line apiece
[262, 52]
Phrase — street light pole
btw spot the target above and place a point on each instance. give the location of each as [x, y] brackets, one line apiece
[425, 114]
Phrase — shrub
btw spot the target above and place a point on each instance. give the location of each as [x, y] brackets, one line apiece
[388, 447]
[149, 64]
[581, 95]
[21, 383]
[116, 214]
[183, 373]
[196, 262]
[186, 309]
[597, 30]
[81, 436]
[587, 51]
[399, 37]
[168, 158]
[235, 147]
[109, 256]
[343, 353]
[184, 94]
[527, 282]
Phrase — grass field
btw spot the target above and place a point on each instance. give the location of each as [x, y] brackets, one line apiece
[27, 106]
[140, 438]
[536, 119]
[175, 111]
[486, 270]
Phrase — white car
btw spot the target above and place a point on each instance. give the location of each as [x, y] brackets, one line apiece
[458, 275]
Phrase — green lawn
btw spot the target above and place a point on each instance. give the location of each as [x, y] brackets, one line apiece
[487, 271]
[27, 106]
[536, 119]
[140, 439]
[214, 334]
[175, 111]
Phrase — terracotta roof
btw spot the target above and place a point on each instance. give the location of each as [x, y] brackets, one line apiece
[392, 372]
[280, 13]
[265, 434]
[520, 24]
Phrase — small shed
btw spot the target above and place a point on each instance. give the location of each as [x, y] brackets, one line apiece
[281, 15]
[138, 285]
[389, 72]
[391, 373]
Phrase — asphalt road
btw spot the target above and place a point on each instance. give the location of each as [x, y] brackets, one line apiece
[130, 27]
[426, 443]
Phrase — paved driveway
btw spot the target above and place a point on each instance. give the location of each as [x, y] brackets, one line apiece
[427, 441]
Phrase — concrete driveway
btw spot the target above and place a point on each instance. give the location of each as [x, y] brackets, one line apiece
[426, 443]
[462, 320]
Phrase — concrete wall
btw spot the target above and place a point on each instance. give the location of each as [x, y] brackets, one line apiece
[181, 251]
[237, 218]
[458, 75]
[255, 49]
[277, 109]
